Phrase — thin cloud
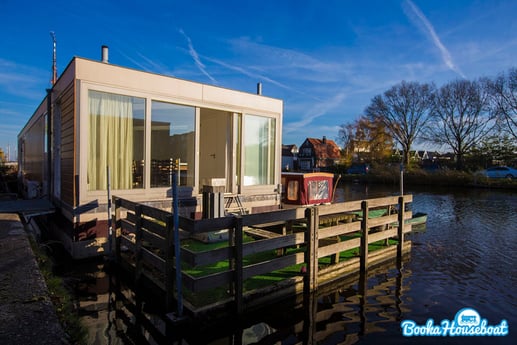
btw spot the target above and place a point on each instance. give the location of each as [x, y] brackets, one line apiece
[22, 81]
[417, 17]
[248, 73]
[315, 112]
[193, 53]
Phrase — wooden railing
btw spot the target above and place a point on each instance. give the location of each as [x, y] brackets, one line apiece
[299, 237]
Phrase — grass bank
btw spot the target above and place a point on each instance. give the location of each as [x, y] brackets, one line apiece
[60, 296]
[443, 178]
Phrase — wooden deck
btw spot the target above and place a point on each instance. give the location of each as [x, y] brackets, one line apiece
[266, 257]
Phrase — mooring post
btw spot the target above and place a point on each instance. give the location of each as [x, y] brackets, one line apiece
[364, 238]
[239, 274]
[400, 230]
[311, 254]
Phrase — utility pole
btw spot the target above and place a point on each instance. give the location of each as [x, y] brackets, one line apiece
[54, 58]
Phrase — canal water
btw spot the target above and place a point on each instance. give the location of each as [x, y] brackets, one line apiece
[465, 257]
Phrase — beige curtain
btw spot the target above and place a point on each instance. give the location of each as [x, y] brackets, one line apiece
[111, 141]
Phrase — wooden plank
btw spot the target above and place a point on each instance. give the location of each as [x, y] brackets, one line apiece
[155, 213]
[339, 247]
[261, 233]
[153, 260]
[195, 259]
[271, 217]
[207, 225]
[126, 241]
[149, 225]
[126, 225]
[273, 265]
[153, 239]
[128, 204]
[340, 207]
[381, 202]
[338, 230]
[67, 155]
[382, 235]
[373, 222]
[272, 244]
[199, 284]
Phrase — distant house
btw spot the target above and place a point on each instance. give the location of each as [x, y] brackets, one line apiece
[289, 157]
[318, 154]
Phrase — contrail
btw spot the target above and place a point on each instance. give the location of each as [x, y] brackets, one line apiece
[193, 53]
[446, 56]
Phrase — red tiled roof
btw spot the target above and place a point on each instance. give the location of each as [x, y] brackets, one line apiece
[325, 149]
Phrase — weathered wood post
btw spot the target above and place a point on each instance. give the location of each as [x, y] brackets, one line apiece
[110, 220]
[176, 236]
[169, 263]
[239, 274]
[138, 244]
[118, 232]
[364, 238]
[400, 230]
[311, 254]
[138, 262]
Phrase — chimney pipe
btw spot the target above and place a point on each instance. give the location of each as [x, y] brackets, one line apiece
[259, 88]
[105, 54]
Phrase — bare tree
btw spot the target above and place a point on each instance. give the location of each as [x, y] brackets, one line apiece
[504, 92]
[346, 136]
[404, 110]
[461, 117]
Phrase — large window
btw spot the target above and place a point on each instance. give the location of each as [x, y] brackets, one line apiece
[116, 140]
[172, 137]
[259, 150]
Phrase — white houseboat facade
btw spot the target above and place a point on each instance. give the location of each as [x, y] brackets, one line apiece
[99, 115]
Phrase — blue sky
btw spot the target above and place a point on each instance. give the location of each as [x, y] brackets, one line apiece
[324, 59]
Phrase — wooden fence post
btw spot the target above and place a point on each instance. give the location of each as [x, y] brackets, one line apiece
[400, 230]
[364, 238]
[311, 254]
[169, 263]
[118, 231]
[138, 262]
[239, 276]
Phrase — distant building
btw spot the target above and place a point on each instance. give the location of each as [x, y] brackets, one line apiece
[290, 157]
[318, 154]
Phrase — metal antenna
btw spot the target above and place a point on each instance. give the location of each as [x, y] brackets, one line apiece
[54, 58]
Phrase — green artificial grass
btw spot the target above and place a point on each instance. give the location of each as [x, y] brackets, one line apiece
[260, 281]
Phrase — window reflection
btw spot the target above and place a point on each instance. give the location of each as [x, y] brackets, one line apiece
[172, 137]
[259, 150]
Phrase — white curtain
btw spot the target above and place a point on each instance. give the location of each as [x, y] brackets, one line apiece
[111, 141]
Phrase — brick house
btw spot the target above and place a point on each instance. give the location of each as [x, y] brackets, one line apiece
[318, 154]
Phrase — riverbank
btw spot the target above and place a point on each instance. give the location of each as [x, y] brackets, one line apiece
[442, 178]
[26, 309]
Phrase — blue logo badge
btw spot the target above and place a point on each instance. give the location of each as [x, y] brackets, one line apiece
[467, 322]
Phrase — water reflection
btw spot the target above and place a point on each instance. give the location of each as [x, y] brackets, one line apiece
[466, 257]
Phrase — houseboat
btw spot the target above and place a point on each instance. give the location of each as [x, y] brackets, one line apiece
[100, 120]
[307, 188]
